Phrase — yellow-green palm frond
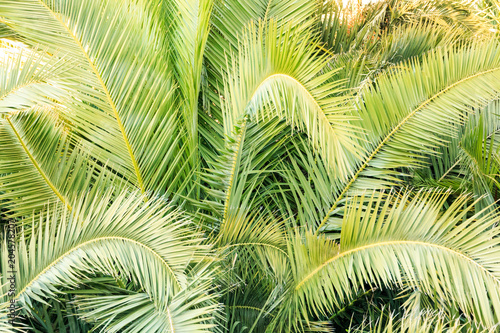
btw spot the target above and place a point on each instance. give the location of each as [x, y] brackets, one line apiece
[424, 100]
[278, 74]
[41, 164]
[112, 236]
[392, 240]
[116, 106]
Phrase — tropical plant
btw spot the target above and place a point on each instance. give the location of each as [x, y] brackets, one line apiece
[249, 166]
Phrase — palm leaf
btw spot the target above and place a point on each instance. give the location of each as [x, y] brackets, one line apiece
[116, 107]
[113, 239]
[52, 166]
[413, 103]
[390, 241]
[275, 74]
[191, 310]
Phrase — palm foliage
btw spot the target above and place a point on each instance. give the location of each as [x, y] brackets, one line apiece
[249, 166]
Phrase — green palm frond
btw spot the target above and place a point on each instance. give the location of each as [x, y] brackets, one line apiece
[461, 15]
[479, 156]
[275, 74]
[251, 242]
[37, 150]
[191, 310]
[116, 107]
[312, 186]
[469, 162]
[56, 315]
[6, 32]
[228, 22]
[238, 179]
[256, 262]
[412, 103]
[414, 39]
[257, 241]
[113, 239]
[231, 18]
[191, 35]
[444, 171]
[361, 65]
[250, 307]
[394, 240]
[5, 325]
[339, 27]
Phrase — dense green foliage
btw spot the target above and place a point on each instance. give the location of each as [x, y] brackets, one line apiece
[250, 166]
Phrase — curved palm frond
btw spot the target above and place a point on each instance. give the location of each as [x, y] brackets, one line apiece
[276, 73]
[423, 101]
[231, 18]
[115, 240]
[116, 106]
[41, 164]
[228, 21]
[191, 310]
[391, 241]
[256, 261]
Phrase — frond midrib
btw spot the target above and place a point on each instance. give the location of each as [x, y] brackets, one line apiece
[449, 169]
[267, 10]
[95, 240]
[38, 167]
[302, 87]
[108, 97]
[392, 243]
[233, 170]
[170, 321]
[390, 135]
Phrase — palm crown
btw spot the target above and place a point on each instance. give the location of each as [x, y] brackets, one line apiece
[256, 166]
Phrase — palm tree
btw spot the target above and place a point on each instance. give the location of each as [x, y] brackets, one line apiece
[255, 166]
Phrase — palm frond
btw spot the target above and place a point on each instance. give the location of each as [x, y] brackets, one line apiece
[114, 239]
[40, 164]
[191, 33]
[250, 154]
[394, 241]
[192, 310]
[228, 22]
[479, 156]
[421, 100]
[277, 74]
[116, 106]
